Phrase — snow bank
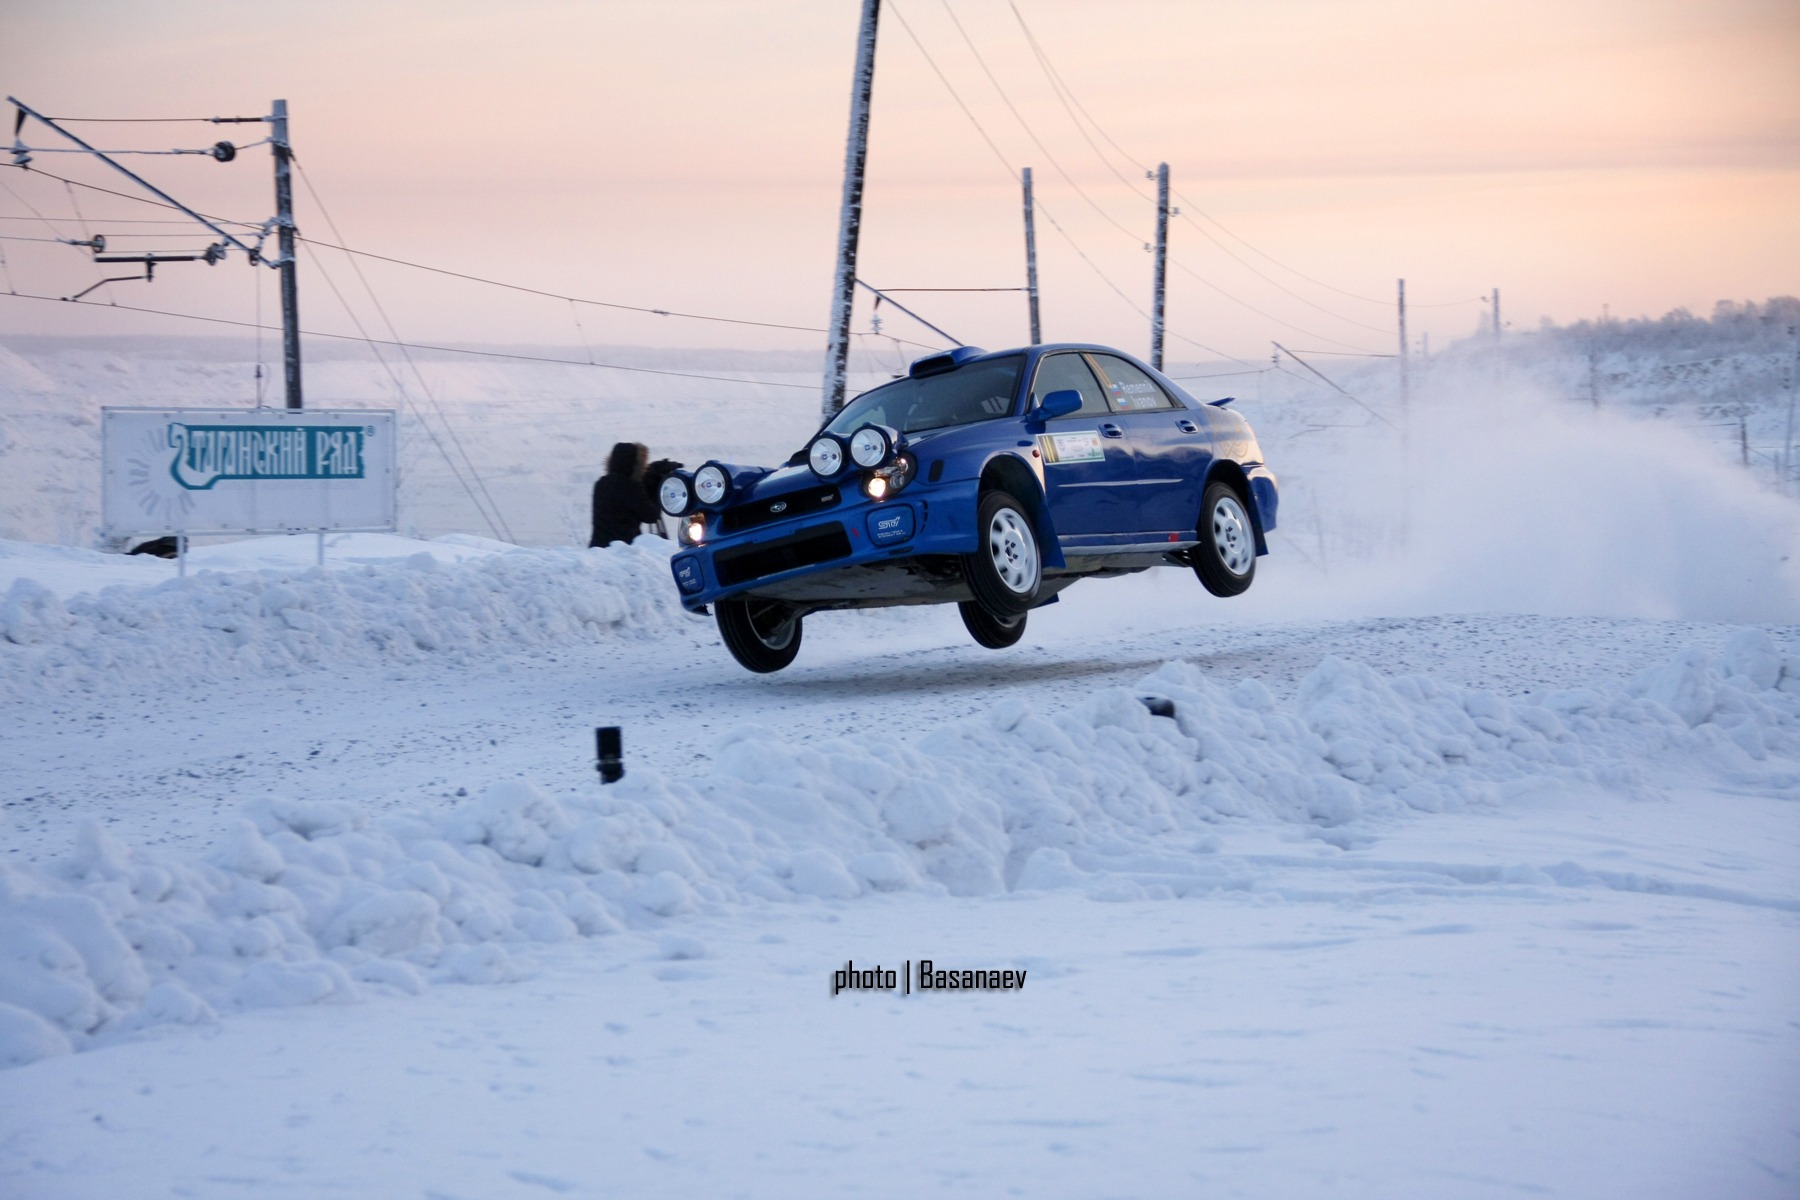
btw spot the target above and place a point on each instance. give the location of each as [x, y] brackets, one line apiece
[312, 902]
[217, 625]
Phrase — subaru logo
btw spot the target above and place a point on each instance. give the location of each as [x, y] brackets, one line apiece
[778, 506]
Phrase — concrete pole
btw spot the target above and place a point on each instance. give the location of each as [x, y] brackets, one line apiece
[284, 226]
[1405, 422]
[856, 155]
[1031, 282]
[1405, 381]
[1162, 259]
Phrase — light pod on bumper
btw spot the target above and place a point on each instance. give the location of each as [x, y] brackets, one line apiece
[711, 485]
[826, 456]
[676, 495]
[870, 447]
[889, 479]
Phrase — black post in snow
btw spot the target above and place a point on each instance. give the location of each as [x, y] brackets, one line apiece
[856, 154]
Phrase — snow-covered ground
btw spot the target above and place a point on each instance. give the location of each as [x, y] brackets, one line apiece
[1467, 864]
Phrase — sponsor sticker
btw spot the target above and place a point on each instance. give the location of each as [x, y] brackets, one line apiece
[1084, 446]
[890, 525]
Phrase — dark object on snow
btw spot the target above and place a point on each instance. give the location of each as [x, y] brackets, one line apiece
[1159, 706]
[622, 504]
[162, 547]
[610, 744]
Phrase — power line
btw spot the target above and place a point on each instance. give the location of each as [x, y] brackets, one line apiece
[94, 187]
[346, 337]
[1041, 207]
[1064, 93]
[1187, 270]
[1060, 88]
[1026, 126]
[1051, 218]
[493, 521]
[404, 353]
[1333, 386]
[156, 120]
[661, 312]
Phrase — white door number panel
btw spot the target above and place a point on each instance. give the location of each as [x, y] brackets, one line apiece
[1084, 446]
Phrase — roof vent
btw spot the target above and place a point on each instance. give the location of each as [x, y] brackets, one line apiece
[937, 364]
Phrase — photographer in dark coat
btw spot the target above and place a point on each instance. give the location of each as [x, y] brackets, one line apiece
[625, 497]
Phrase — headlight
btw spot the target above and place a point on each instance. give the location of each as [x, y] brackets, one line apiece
[675, 495]
[869, 447]
[710, 484]
[695, 529]
[825, 456]
[879, 485]
[902, 472]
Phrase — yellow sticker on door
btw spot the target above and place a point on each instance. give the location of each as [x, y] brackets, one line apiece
[1072, 447]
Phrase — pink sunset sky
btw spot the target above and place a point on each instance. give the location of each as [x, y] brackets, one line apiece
[687, 155]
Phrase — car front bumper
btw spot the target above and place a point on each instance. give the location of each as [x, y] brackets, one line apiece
[836, 555]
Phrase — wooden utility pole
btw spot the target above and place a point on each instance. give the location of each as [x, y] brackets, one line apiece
[1031, 292]
[1405, 422]
[1405, 382]
[856, 155]
[1787, 442]
[284, 228]
[1162, 258]
[1496, 314]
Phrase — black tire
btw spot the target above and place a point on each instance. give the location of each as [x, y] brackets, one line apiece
[996, 633]
[1006, 569]
[1225, 559]
[762, 635]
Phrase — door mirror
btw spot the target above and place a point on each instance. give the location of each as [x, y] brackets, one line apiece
[1058, 404]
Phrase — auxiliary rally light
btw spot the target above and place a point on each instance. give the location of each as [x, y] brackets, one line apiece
[675, 495]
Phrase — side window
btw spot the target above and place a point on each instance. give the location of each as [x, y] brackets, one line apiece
[1065, 372]
[1129, 389]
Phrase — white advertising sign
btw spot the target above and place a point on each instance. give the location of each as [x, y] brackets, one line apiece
[185, 470]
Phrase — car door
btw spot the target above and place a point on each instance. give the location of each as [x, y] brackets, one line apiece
[1089, 465]
[1172, 447]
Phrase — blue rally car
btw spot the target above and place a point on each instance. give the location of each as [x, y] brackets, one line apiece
[990, 480]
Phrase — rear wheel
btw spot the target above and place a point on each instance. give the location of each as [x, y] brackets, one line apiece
[1005, 570]
[996, 633]
[763, 635]
[1225, 559]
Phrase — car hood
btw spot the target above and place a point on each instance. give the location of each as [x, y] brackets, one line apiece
[750, 484]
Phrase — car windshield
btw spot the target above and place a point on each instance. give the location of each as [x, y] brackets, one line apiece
[979, 391]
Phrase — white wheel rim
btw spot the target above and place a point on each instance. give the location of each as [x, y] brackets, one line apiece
[780, 631]
[1231, 535]
[1013, 551]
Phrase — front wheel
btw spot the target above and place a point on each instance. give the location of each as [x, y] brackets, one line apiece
[1005, 570]
[996, 633]
[1225, 559]
[763, 635]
